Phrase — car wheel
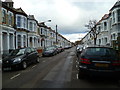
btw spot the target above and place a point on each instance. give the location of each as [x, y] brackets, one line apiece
[24, 65]
[38, 60]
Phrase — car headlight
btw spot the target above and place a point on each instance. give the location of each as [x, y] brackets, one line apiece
[17, 60]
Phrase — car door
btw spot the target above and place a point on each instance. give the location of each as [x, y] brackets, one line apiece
[28, 55]
[33, 54]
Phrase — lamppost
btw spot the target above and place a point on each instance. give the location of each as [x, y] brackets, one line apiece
[56, 35]
[45, 21]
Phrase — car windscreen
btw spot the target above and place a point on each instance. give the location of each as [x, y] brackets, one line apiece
[17, 52]
[100, 52]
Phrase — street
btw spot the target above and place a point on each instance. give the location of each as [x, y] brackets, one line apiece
[58, 71]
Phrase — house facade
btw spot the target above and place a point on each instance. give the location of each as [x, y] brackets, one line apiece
[0, 30]
[7, 27]
[19, 30]
[108, 28]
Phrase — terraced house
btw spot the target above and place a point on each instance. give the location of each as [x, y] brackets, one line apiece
[109, 29]
[7, 28]
[19, 30]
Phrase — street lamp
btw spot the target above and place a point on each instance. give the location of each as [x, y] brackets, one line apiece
[56, 35]
[45, 21]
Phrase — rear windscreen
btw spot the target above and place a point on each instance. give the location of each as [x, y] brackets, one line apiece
[100, 51]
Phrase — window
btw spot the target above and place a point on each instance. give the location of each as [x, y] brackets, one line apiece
[106, 40]
[99, 41]
[18, 21]
[28, 50]
[33, 50]
[105, 25]
[99, 29]
[19, 41]
[114, 36]
[42, 42]
[24, 40]
[102, 26]
[110, 23]
[99, 51]
[17, 52]
[4, 16]
[10, 19]
[41, 31]
[51, 34]
[118, 12]
[34, 26]
[30, 26]
[24, 23]
[113, 17]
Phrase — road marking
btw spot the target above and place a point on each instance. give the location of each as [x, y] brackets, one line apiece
[77, 76]
[34, 66]
[15, 76]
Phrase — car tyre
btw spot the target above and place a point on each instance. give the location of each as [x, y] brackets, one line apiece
[24, 65]
[37, 60]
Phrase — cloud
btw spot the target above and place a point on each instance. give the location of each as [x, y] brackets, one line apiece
[74, 37]
[71, 16]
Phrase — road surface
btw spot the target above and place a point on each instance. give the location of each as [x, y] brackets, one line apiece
[58, 71]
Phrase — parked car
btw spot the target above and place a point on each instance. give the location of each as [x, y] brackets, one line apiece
[20, 58]
[50, 51]
[79, 49]
[60, 49]
[99, 60]
[67, 47]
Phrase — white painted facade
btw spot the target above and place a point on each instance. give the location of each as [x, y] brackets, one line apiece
[108, 28]
[7, 31]
[24, 31]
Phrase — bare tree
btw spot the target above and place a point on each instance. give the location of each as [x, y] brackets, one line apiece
[92, 27]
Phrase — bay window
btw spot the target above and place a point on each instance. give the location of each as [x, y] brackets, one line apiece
[18, 21]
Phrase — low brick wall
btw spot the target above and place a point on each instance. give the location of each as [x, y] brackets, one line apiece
[40, 51]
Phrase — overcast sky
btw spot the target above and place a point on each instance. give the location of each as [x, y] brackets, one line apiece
[70, 15]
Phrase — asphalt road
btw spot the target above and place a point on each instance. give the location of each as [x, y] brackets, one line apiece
[54, 72]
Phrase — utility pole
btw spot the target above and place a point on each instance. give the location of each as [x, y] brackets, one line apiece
[56, 35]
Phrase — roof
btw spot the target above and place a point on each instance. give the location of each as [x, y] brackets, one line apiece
[19, 10]
[103, 18]
[31, 17]
[8, 1]
[117, 4]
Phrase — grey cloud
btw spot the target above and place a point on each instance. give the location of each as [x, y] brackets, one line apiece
[70, 15]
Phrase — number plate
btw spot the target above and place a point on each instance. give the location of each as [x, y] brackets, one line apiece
[101, 65]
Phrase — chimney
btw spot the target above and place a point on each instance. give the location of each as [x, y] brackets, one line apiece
[9, 3]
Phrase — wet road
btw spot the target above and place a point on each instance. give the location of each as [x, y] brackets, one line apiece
[54, 72]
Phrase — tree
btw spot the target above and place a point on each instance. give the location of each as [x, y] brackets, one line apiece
[92, 27]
